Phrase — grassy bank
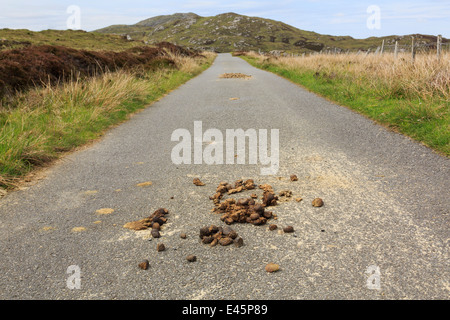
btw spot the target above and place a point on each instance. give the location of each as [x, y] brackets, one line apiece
[39, 125]
[413, 98]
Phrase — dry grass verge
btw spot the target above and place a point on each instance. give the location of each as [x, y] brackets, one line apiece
[413, 98]
[38, 125]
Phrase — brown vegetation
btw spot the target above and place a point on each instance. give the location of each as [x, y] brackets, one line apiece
[27, 67]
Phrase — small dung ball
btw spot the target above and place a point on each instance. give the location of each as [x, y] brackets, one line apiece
[272, 267]
[191, 258]
[317, 202]
[144, 265]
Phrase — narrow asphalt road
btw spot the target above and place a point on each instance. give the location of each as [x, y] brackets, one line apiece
[386, 206]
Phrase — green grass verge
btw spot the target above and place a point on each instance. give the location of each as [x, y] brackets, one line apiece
[427, 122]
[45, 123]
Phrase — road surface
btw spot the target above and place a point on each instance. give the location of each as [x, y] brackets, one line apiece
[383, 232]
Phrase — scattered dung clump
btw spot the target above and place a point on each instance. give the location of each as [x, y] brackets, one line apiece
[144, 265]
[197, 182]
[244, 210]
[288, 229]
[294, 177]
[225, 236]
[269, 199]
[227, 188]
[266, 187]
[160, 247]
[317, 202]
[285, 193]
[235, 76]
[155, 221]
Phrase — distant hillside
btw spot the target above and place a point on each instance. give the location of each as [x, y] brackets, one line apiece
[14, 39]
[231, 32]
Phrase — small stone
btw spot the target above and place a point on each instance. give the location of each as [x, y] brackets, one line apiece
[272, 267]
[288, 229]
[144, 265]
[294, 177]
[183, 236]
[160, 247]
[191, 258]
[317, 202]
[298, 199]
[273, 227]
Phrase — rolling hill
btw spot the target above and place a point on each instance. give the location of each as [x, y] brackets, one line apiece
[233, 32]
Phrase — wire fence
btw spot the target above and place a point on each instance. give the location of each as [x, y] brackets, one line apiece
[439, 48]
[419, 48]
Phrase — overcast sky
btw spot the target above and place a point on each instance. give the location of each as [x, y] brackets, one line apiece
[332, 17]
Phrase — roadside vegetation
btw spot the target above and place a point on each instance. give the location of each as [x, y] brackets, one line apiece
[410, 97]
[42, 119]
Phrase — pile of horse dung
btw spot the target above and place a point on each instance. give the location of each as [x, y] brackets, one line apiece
[155, 221]
[225, 236]
[244, 210]
[235, 76]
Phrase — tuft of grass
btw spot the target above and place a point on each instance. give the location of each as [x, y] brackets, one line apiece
[413, 98]
[38, 126]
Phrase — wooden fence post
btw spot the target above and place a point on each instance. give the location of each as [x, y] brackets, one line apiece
[413, 49]
[438, 47]
[382, 47]
[396, 50]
